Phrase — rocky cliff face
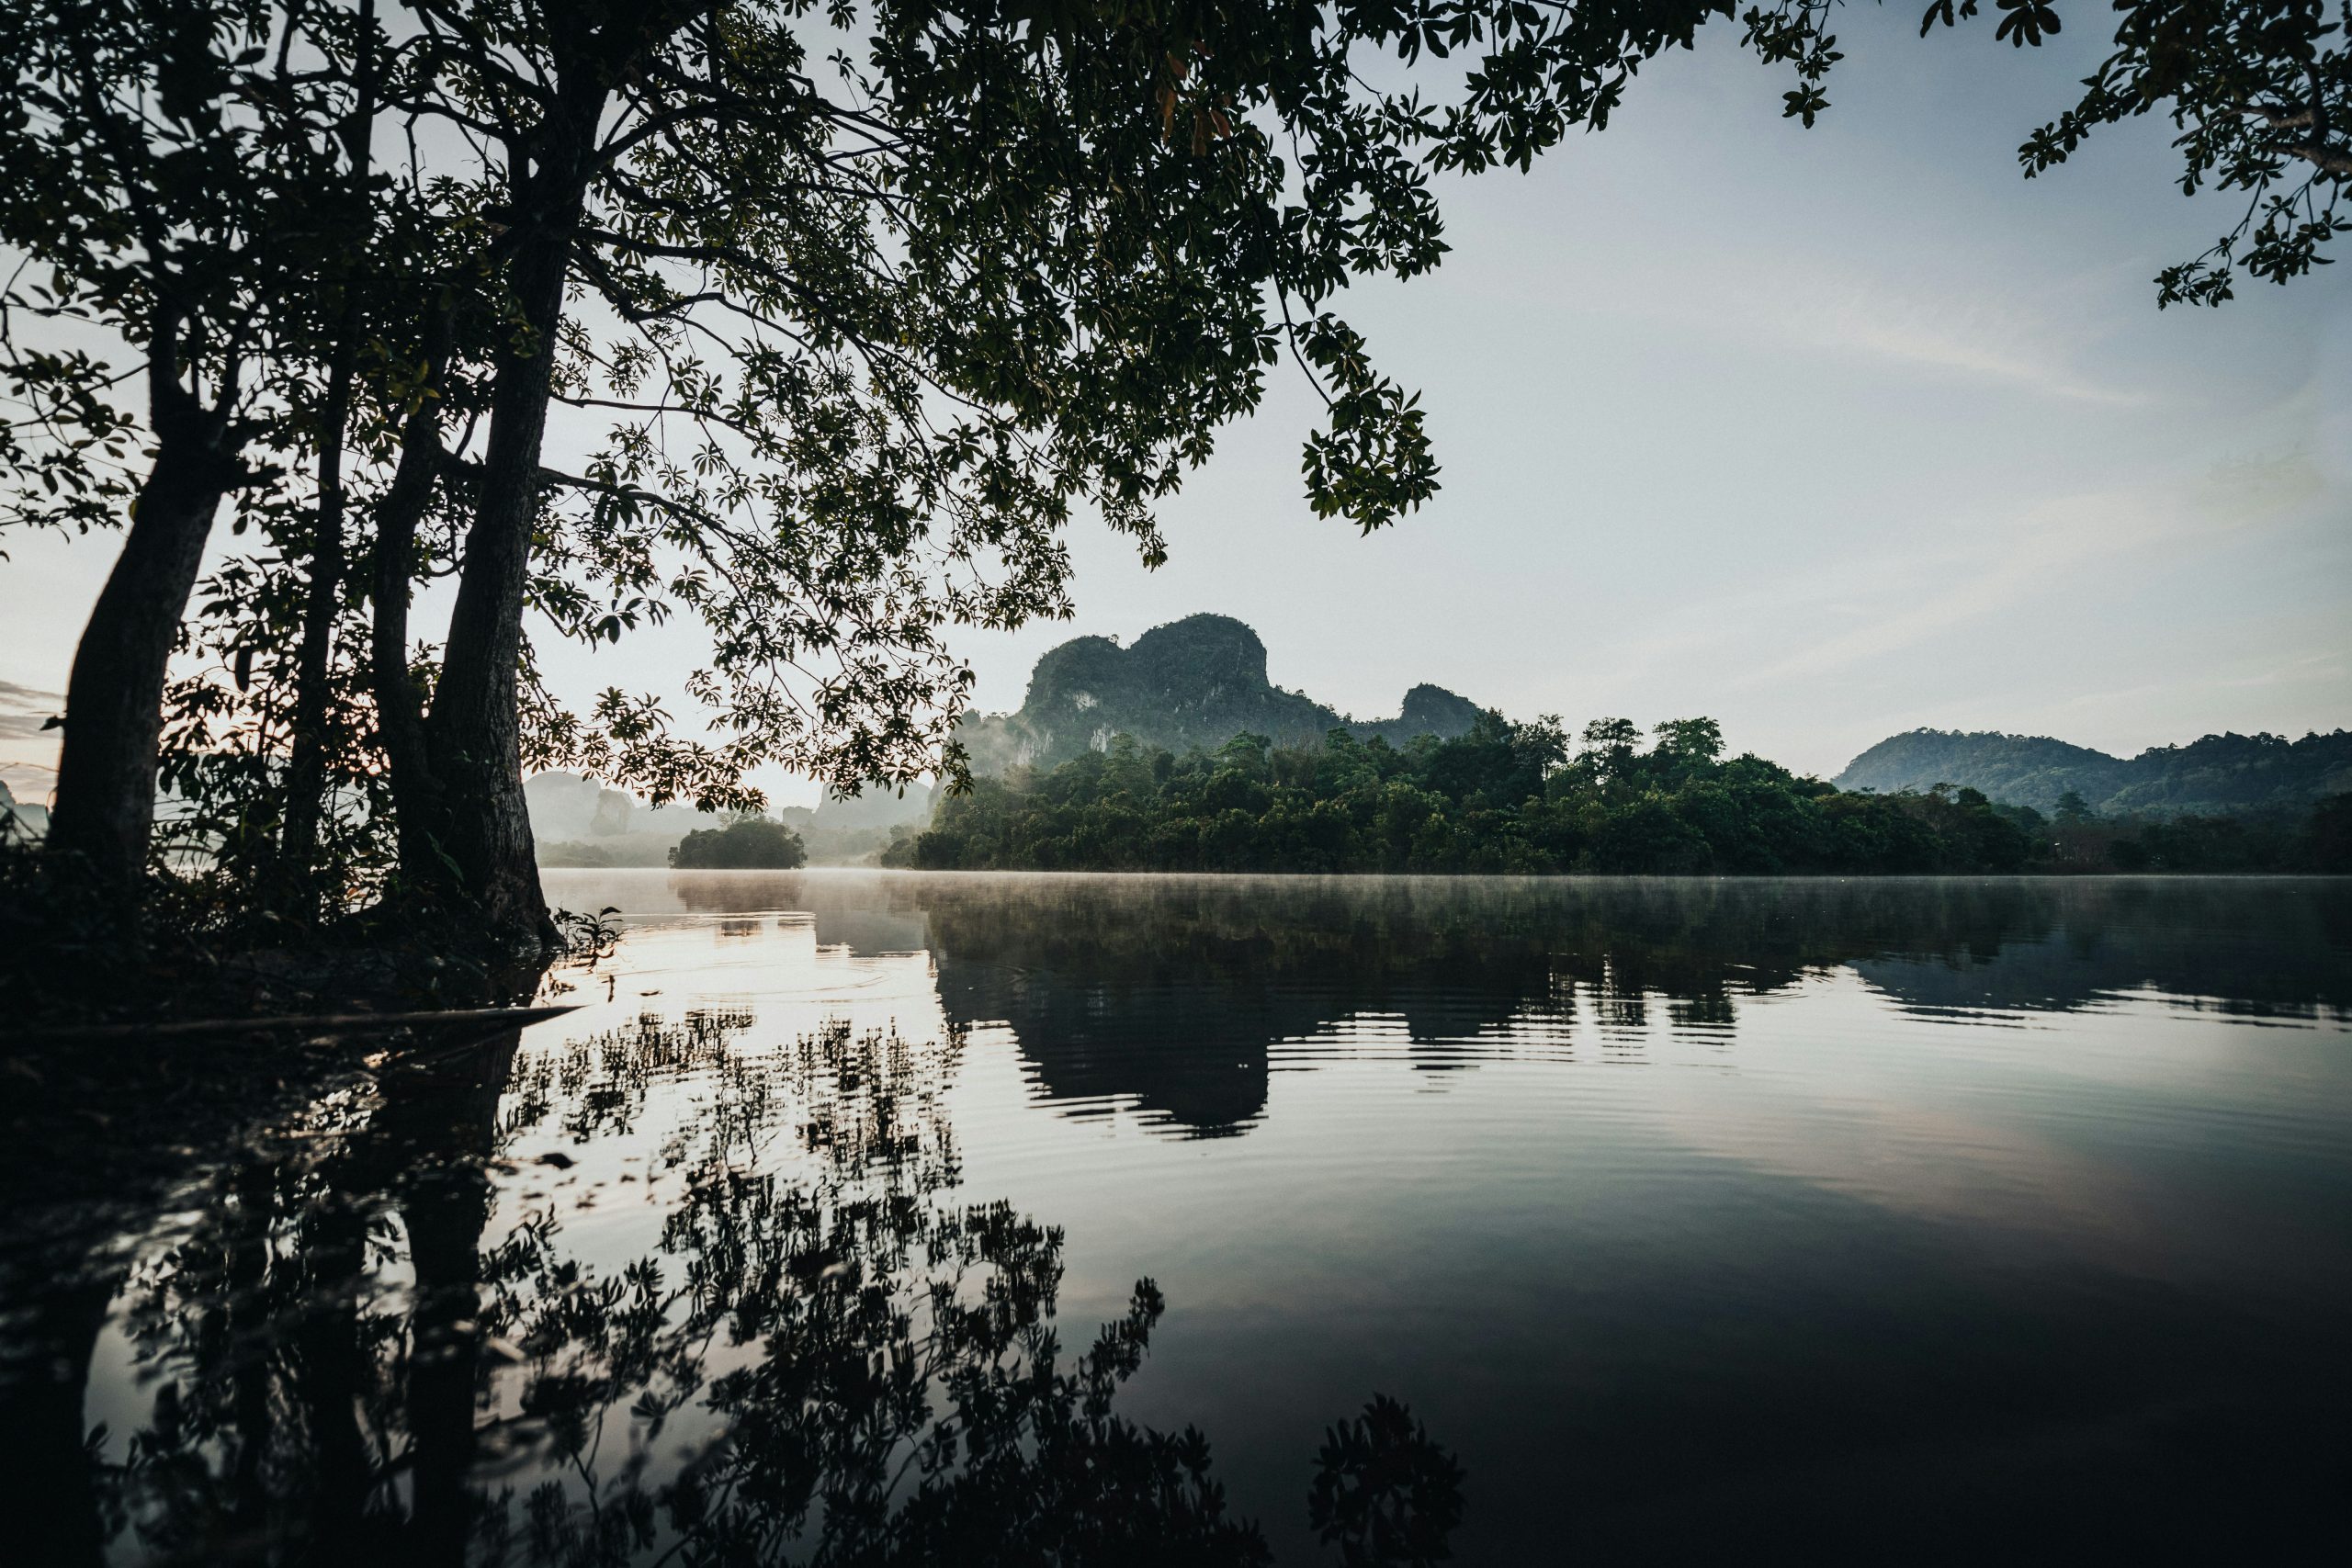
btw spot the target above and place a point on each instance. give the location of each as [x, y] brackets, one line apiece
[1197, 682]
[1428, 710]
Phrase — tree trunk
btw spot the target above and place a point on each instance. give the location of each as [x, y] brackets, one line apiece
[313, 671]
[474, 732]
[114, 700]
[400, 705]
[305, 768]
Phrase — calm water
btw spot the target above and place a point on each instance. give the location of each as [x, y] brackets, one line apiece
[1895, 1220]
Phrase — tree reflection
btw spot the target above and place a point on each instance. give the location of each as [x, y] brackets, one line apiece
[310, 1396]
[1384, 1491]
[1172, 990]
[828, 1356]
[1449, 955]
[847, 1367]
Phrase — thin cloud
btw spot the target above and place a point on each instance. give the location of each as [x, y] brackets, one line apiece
[25, 712]
[23, 698]
[1971, 337]
[1954, 327]
[2045, 543]
[2325, 666]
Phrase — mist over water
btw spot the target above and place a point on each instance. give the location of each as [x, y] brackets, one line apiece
[1919, 1219]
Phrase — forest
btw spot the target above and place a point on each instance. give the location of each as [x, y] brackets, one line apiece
[1518, 798]
[387, 343]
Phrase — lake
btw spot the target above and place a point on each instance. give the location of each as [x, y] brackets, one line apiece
[1898, 1219]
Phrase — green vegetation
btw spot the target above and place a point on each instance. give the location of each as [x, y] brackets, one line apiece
[845, 311]
[914, 286]
[1505, 798]
[2218, 775]
[2279, 839]
[1511, 798]
[748, 843]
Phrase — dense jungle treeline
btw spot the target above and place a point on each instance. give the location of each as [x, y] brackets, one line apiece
[1517, 798]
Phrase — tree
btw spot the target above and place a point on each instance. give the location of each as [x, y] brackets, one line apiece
[2074, 811]
[909, 309]
[871, 300]
[351, 209]
[162, 161]
[750, 843]
[2261, 94]
[1609, 744]
[1692, 740]
[1541, 745]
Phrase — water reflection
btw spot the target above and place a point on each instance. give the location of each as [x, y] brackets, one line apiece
[1685, 1214]
[827, 1355]
[313, 1329]
[1181, 994]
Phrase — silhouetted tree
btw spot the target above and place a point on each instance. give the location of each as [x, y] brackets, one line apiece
[2260, 94]
[174, 183]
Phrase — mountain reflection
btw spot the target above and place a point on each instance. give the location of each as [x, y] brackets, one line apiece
[713, 1279]
[1178, 993]
[826, 1356]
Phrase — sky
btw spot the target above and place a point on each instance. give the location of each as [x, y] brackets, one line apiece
[1825, 433]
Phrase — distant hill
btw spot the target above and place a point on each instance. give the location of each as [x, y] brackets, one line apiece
[2217, 776]
[20, 819]
[1200, 680]
[1197, 682]
[578, 821]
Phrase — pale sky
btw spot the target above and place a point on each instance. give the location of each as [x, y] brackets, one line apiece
[1825, 433]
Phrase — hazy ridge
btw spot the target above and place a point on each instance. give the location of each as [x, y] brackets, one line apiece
[2227, 775]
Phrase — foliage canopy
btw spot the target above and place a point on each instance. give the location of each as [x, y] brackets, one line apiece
[838, 316]
[750, 843]
[1506, 797]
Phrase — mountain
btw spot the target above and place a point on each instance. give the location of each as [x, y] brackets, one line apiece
[875, 808]
[20, 819]
[1197, 682]
[2218, 775]
[578, 821]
